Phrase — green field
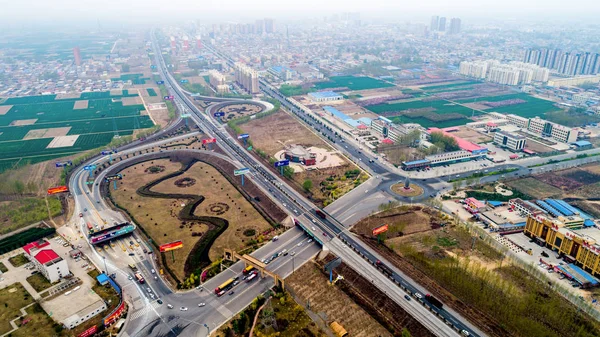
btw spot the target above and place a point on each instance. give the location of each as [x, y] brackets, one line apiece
[96, 125]
[433, 117]
[449, 86]
[57, 46]
[134, 78]
[353, 83]
[151, 92]
[533, 107]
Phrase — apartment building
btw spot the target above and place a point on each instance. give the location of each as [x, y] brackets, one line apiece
[246, 77]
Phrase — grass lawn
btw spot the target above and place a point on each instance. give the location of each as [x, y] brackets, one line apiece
[3, 268]
[21, 213]
[353, 83]
[39, 324]
[18, 260]
[39, 282]
[12, 298]
[291, 318]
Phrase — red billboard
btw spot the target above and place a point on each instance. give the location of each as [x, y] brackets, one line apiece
[58, 189]
[171, 246]
[380, 229]
[116, 314]
[208, 141]
[88, 332]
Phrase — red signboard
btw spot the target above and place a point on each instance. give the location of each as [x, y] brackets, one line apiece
[58, 189]
[88, 332]
[171, 246]
[380, 229]
[116, 314]
[208, 141]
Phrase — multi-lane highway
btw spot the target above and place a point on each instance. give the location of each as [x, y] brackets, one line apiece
[332, 233]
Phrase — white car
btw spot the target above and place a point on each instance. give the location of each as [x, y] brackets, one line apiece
[313, 228]
[299, 244]
[183, 309]
[153, 271]
[293, 253]
[201, 304]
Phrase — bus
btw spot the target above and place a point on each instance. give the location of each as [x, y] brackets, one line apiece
[248, 269]
[220, 290]
[139, 278]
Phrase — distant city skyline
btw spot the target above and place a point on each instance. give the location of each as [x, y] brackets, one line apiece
[136, 11]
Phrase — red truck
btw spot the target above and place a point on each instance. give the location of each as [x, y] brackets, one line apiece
[320, 214]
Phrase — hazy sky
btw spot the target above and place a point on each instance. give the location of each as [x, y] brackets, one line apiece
[29, 12]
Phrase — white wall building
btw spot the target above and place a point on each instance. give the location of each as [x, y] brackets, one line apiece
[47, 262]
[558, 132]
[509, 140]
[84, 314]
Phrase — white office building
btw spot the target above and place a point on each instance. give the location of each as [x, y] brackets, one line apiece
[561, 133]
[509, 140]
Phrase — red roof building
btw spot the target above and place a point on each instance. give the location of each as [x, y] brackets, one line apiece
[387, 141]
[46, 260]
[463, 144]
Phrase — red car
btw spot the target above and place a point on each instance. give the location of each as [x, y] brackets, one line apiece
[81, 215]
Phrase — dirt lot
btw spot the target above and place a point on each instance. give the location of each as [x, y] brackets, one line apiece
[271, 133]
[396, 154]
[472, 135]
[535, 188]
[402, 221]
[569, 180]
[331, 303]
[537, 147]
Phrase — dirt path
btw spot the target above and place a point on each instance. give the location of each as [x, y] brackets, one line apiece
[50, 214]
[256, 317]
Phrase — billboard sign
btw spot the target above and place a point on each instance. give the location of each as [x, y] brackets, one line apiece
[58, 189]
[208, 141]
[160, 82]
[154, 67]
[183, 81]
[171, 246]
[107, 152]
[241, 171]
[88, 332]
[381, 229]
[282, 163]
[89, 167]
[116, 314]
[166, 98]
[243, 136]
[114, 177]
[64, 163]
[219, 114]
[186, 115]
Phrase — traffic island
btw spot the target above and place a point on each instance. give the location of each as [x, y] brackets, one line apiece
[406, 189]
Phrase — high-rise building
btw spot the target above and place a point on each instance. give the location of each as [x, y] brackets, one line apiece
[77, 56]
[435, 22]
[269, 26]
[259, 26]
[513, 73]
[454, 26]
[198, 42]
[173, 42]
[246, 77]
[565, 63]
[186, 43]
[442, 25]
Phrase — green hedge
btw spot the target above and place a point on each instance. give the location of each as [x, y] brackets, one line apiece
[21, 239]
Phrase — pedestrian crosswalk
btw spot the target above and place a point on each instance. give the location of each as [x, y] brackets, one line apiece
[144, 310]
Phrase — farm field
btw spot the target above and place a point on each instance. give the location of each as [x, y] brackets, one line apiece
[451, 86]
[436, 112]
[48, 45]
[134, 78]
[270, 134]
[39, 128]
[352, 83]
[161, 203]
[532, 106]
[151, 92]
